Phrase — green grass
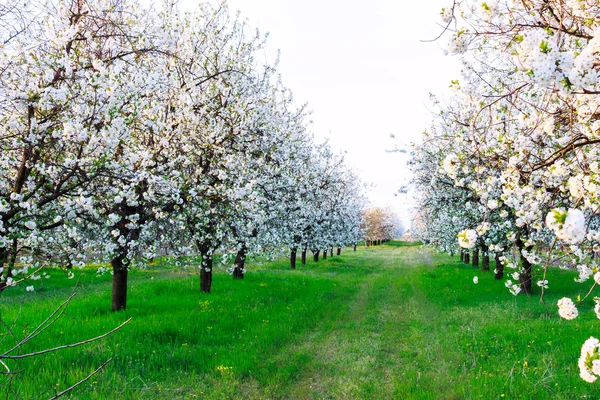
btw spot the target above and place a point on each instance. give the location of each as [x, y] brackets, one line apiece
[387, 322]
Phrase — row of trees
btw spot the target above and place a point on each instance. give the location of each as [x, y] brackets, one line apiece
[510, 164]
[380, 224]
[131, 132]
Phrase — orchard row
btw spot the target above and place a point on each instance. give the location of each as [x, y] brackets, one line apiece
[511, 163]
[131, 132]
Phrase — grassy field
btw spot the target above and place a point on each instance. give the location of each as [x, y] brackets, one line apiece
[391, 322]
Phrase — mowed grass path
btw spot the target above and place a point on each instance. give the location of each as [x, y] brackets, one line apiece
[390, 322]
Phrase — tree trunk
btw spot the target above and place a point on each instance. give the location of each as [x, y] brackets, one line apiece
[293, 258]
[10, 257]
[331, 252]
[206, 272]
[525, 276]
[240, 261]
[304, 256]
[462, 255]
[499, 267]
[467, 257]
[325, 254]
[119, 282]
[316, 255]
[476, 258]
[73, 244]
[339, 251]
[3, 255]
[354, 246]
[485, 263]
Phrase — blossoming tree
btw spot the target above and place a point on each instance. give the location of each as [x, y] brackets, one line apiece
[521, 135]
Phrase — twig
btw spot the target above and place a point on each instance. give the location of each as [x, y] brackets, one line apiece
[81, 381]
[546, 269]
[5, 366]
[446, 27]
[43, 326]
[66, 346]
[588, 294]
[49, 321]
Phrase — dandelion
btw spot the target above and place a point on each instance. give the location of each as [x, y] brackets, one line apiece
[475, 280]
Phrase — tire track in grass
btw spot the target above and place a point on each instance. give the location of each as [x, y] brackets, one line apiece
[371, 347]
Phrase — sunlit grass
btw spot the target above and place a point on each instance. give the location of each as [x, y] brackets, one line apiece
[386, 322]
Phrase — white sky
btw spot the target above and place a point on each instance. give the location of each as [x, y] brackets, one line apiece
[365, 73]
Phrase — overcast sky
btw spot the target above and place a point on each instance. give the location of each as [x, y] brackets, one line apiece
[364, 71]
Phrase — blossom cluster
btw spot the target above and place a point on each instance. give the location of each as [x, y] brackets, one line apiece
[589, 361]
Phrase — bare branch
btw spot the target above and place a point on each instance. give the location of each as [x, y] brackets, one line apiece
[67, 390]
[66, 346]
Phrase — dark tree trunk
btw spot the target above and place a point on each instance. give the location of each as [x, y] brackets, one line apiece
[304, 256]
[339, 251]
[206, 272]
[3, 255]
[120, 265]
[12, 256]
[499, 267]
[325, 254]
[316, 255]
[9, 256]
[240, 261]
[525, 276]
[485, 263]
[354, 246]
[467, 257]
[293, 258]
[119, 282]
[206, 266]
[331, 252]
[476, 258]
[462, 255]
[73, 245]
